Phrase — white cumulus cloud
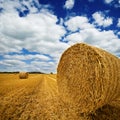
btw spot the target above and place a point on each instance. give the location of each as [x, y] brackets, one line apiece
[108, 1]
[69, 4]
[40, 33]
[27, 57]
[77, 22]
[83, 31]
[118, 24]
[102, 20]
[103, 39]
[114, 3]
[36, 32]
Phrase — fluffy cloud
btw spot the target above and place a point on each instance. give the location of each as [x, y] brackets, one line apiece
[40, 33]
[12, 62]
[87, 33]
[108, 1]
[118, 24]
[12, 5]
[36, 32]
[37, 29]
[118, 33]
[27, 57]
[36, 62]
[114, 3]
[12, 65]
[102, 20]
[34, 65]
[43, 67]
[77, 22]
[69, 4]
[102, 39]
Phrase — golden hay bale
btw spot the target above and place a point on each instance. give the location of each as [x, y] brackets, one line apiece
[23, 75]
[88, 77]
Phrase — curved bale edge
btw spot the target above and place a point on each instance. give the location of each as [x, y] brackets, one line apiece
[23, 75]
[88, 77]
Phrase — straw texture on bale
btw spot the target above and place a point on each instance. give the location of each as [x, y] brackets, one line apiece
[88, 77]
[23, 75]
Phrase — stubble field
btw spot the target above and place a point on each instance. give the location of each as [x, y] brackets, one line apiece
[26, 99]
[37, 98]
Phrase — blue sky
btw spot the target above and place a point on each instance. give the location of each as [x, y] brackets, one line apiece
[34, 33]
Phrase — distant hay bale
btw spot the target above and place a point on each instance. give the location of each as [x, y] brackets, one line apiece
[88, 77]
[23, 75]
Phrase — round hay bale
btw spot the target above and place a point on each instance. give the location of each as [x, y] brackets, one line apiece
[23, 75]
[88, 77]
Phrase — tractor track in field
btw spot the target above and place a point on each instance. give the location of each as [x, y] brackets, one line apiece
[43, 105]
[30, 106]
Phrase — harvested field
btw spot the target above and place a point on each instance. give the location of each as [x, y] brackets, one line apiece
[27, 99]
[37, 98]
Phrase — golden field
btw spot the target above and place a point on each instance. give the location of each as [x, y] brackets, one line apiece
[25, 99]
[37, 98]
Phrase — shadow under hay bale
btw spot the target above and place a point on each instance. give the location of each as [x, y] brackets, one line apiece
[23, 75]
[88, 78]
[107, 112]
